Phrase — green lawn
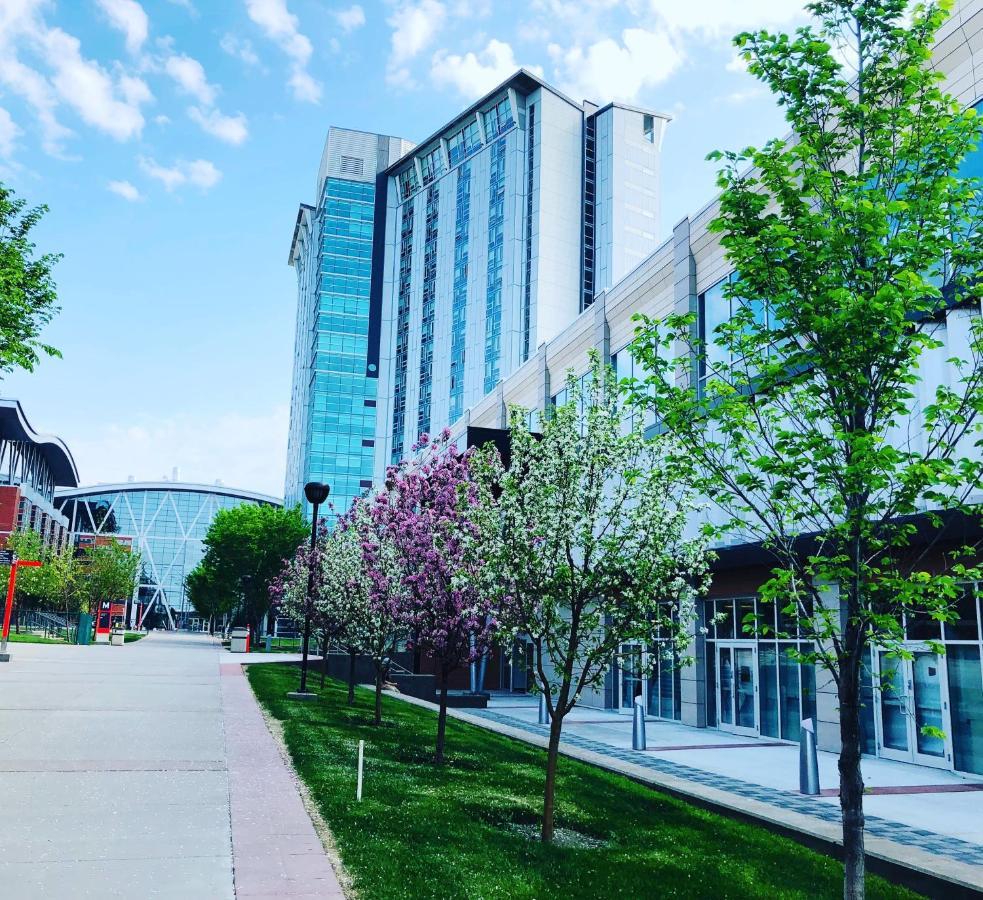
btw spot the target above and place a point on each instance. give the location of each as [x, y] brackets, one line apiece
[455, 832]
[27, 637]
[132, 636]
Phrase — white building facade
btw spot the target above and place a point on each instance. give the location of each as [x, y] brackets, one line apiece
[501, 228]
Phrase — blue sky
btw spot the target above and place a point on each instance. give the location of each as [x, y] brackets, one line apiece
[173, 140]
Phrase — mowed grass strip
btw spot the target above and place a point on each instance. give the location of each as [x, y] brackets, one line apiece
[456, 831]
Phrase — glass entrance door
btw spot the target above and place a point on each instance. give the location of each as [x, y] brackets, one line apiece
[737, 688]
[913, 708]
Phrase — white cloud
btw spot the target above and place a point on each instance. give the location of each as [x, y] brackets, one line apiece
[245, 451]
[231, 129]
[282, 27]
[414, 27]
[351, 18]
[84, 85]
[9, 132]
[474, 74]
[162, 120]
[35, 89]
[617, 70]
[185, 4]
[125, 190]
[240, 48]
[129, 17]
[189, 75]
[198, 173]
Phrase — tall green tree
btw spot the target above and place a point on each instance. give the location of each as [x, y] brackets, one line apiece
[814, 423]
[585, 547]
[207, 595]
[27, 290]
[245, 550]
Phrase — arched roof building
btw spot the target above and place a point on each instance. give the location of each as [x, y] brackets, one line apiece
[165, 521]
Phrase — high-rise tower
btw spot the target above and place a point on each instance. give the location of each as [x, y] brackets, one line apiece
[333, 402]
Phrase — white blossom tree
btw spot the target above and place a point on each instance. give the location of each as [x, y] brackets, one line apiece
[587, 547]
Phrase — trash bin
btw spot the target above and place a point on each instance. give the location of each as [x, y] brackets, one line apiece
[84, 633]
[117, 637]
[240, 640]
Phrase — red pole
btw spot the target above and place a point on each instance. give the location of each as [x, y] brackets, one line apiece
[10, 603]
[11, 583]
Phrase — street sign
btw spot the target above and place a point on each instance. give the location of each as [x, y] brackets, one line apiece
[7, 558]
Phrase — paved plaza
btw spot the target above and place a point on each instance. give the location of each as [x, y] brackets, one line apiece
[146, 771]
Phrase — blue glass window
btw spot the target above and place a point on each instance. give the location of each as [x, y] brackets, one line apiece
[498, 119]
[464, 142]
[459, 309]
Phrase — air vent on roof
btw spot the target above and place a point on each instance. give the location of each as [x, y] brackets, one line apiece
[351, 165]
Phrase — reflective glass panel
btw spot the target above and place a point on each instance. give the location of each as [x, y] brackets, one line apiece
[966, 707]
[768, 690]
[894, 722]
[927, 686]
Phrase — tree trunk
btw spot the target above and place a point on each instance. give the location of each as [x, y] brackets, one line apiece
[438, 756]
[379, 678]
[549, 795]
[351, 677]
[324, 658]
[851, 784]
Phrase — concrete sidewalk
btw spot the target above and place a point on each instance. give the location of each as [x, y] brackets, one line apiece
[117, 765]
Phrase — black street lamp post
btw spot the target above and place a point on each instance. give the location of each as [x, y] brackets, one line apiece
[316, 494]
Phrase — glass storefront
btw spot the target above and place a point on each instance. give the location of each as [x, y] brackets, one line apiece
[653, 675]
[756, 685]
[919, 706]
[925, 707]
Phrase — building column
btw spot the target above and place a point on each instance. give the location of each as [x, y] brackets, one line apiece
[684, 286]
[693, 686]
[602, 333]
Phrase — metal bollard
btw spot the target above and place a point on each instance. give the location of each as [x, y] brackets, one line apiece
[638, 726]
[544, 713]
[808, 759]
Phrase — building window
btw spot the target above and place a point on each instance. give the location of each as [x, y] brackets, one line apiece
[716, 309]
[432, 166]
[428, 309]
[590, 182]
[493, 297]
[498, 119]
[402, 331]
[464, 142]
[459, 308]
[648, 128]
[527, 293]
[408, 183]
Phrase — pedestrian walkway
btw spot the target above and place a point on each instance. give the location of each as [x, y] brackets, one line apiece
[923, 818]
[140, 771]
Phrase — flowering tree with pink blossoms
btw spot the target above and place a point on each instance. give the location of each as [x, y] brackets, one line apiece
[432, 519]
